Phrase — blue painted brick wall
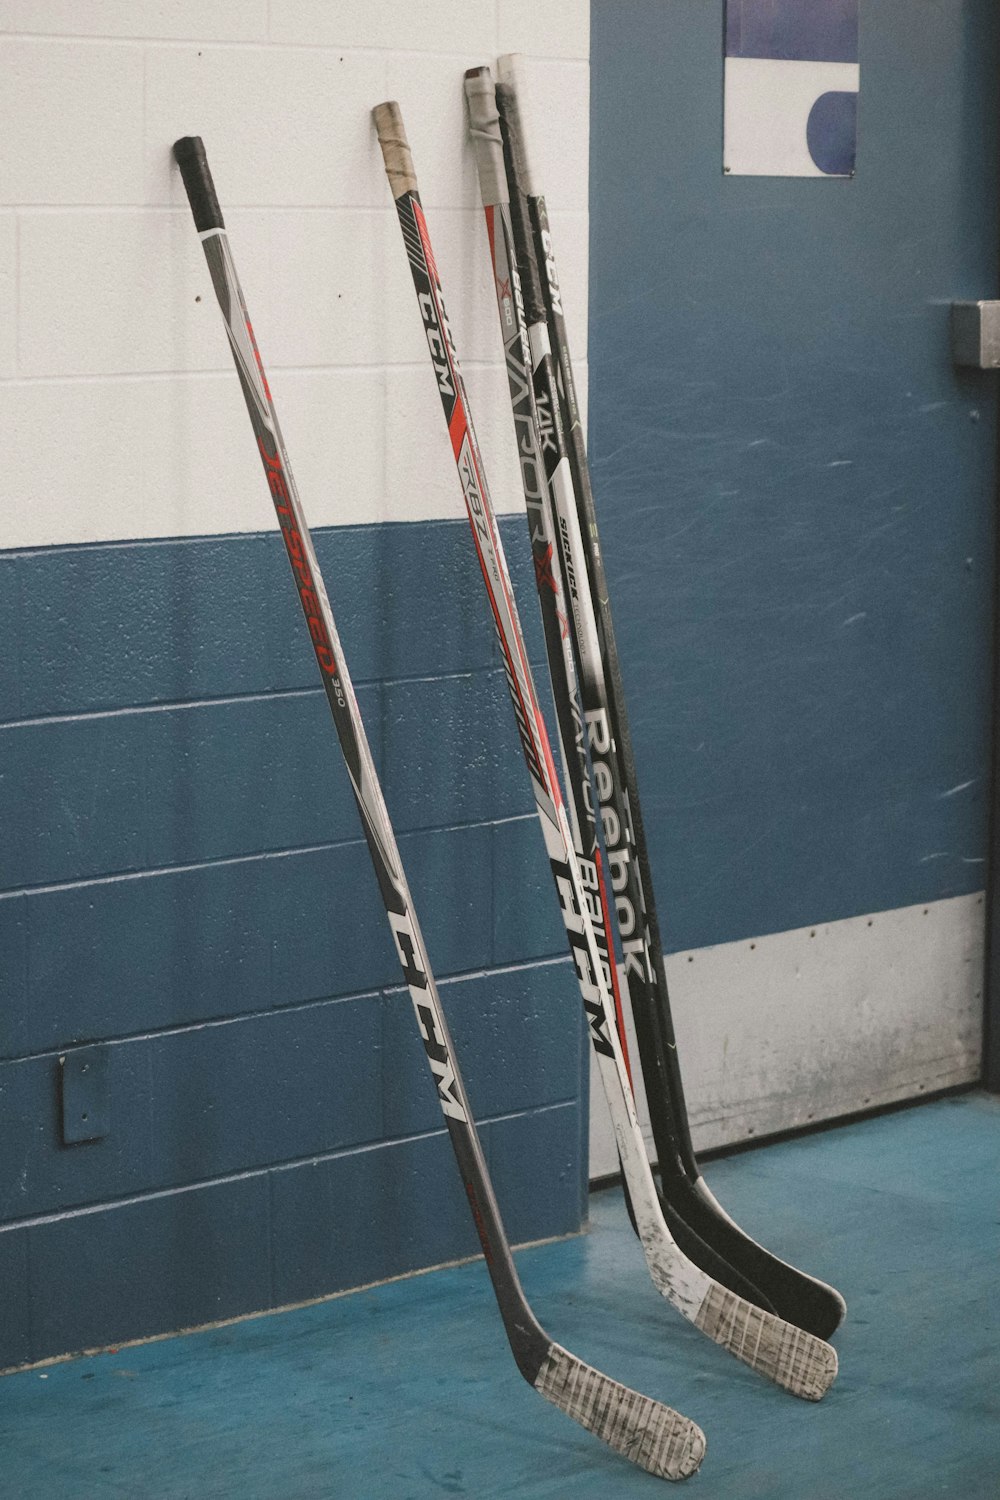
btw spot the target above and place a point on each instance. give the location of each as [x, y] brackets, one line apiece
[182, 879]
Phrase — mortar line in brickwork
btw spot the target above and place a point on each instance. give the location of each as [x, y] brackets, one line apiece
[113, 876]
[168, 705]
[261, 44]
[48, 210]
[171, 705]
[142, 377]
[249, 1174]
[206, 1023]
[184, 1028]
[460, 976]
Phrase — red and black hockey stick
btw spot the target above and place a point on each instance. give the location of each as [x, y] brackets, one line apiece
[644, 1431]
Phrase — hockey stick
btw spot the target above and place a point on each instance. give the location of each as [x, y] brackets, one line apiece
[800, 1298]
[652, 1435]
[544, 470]
[792, 1358]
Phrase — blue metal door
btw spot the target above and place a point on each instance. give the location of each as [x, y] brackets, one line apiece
[796, 491]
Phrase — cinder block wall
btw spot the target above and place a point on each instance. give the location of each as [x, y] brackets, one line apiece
[183, 886]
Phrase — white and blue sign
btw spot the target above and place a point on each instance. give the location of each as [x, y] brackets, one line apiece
[792, 80]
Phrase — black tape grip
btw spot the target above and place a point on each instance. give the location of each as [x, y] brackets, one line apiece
[189, 153]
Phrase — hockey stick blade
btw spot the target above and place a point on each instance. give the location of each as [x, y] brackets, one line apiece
[649, 1434]
[783, 1352]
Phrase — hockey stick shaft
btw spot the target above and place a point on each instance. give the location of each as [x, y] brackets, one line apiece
[598, 708]
[793, 1359]
[810, 1303]
[406, 933]
[576, 903]
[599, 657]
[544, 480]
[535, 471]
[650, 1434]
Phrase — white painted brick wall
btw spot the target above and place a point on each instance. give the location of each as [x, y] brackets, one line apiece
[119, 410]
[8, 295]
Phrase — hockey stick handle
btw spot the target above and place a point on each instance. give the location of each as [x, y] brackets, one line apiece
[395, 148]
[189, 153]
[507, 70]
[527, 266]
[487, 142]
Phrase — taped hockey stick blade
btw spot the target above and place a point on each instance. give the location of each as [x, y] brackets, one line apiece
[792, 1358]
[649, 1434]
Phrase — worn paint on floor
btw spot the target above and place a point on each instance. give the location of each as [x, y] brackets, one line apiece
[407, 1391]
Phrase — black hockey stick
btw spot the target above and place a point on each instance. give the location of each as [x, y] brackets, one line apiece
[802, 1299]
[778, 1350]
[545, 481]
[644, 1431]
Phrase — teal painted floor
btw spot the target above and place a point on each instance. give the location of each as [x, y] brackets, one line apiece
[407, 1391]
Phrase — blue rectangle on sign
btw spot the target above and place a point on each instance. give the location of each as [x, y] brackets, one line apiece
[793, 30]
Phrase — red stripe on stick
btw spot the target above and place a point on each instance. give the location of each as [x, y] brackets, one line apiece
[457, 428]
[490, 230]
[425, 238]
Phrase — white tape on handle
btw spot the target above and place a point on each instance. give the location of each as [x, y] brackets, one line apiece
[484, 128]
[395, 148]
